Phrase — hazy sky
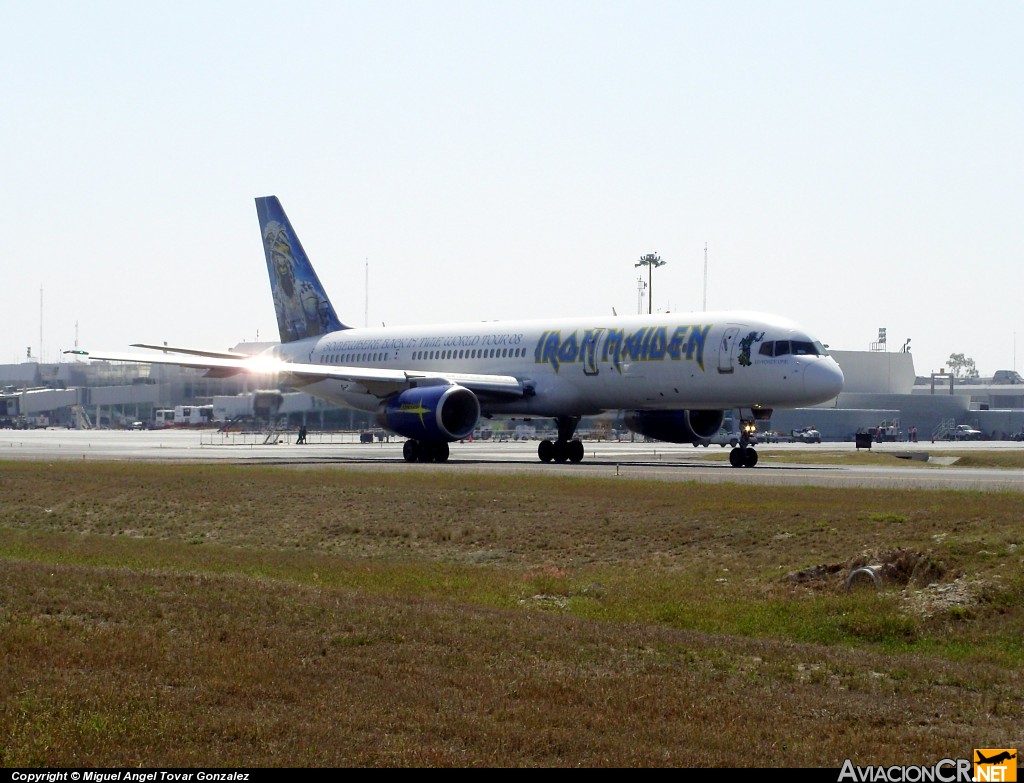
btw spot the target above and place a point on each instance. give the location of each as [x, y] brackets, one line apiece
[850, 165]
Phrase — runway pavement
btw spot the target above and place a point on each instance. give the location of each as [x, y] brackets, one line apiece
[653, 461]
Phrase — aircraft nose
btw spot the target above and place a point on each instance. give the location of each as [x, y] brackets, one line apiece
[823, 380]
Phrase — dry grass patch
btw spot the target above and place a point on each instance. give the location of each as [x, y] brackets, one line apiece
[218, 615]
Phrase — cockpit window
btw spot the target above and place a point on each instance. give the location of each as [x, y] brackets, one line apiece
[795, 347]
[802, 348]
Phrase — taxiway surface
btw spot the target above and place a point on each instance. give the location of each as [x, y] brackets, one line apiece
[651, 461]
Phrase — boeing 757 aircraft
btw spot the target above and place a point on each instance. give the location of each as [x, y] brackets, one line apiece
[674, 375]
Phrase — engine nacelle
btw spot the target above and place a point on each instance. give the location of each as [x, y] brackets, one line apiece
[675, 426]
[431, 413]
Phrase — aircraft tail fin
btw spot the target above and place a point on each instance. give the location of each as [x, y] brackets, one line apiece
[302, 307]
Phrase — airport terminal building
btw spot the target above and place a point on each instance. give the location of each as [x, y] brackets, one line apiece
[882, 388]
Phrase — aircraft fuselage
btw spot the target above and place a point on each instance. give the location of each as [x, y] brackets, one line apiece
[590, 365]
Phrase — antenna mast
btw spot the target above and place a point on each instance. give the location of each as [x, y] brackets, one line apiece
[366, 294]
[705, 276]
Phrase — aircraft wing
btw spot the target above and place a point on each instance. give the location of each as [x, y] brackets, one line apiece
[379, 381]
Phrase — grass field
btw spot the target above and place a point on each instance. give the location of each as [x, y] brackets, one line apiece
[197, 615]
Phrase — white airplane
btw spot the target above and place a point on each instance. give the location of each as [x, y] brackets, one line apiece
[674, 374]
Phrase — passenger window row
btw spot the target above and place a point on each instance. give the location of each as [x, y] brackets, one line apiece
[473, 353]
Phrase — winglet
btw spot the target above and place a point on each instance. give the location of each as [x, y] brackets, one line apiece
[303, 309]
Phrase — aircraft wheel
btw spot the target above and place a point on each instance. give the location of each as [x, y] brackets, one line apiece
[576, 451]
[736, 458]
[441, 452]
[409, 451]
[561, 453]
[546, 450]
[749, 458]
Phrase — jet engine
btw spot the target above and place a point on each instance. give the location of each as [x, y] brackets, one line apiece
[683, 426]
[431, 413]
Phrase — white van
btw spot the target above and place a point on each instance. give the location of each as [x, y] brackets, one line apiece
[722, 438]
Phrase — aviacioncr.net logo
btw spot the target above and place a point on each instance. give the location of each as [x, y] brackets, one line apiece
[998, 765]
[944, 771]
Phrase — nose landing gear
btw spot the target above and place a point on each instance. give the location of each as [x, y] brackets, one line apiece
[744, 455]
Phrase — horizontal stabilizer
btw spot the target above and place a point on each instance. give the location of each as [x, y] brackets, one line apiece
[194, 351]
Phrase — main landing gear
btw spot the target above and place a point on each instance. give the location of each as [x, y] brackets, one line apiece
[566, 448]
[425, 451]
[743, 455]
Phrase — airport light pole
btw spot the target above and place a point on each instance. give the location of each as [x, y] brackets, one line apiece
[650, 261]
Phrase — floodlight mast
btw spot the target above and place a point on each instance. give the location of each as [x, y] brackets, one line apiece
[650, 260]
